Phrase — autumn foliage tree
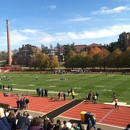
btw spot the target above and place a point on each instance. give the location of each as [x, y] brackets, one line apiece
[43, 61]
[102, 58]
[82, 60]
[93, 56]
[126, 58]
[70, 60]
[115, 59]
[53, 62]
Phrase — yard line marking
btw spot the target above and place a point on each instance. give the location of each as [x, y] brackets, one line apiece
[106, 115]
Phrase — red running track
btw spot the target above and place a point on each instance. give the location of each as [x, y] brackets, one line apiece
[39, 104]
[104, 113]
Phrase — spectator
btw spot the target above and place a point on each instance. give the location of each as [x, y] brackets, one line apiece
[59, 96]
[4, 125]
[58, 125]
[94, 98]
[94, 122]
[68, 125]
[46, 122]
[26, 103]
[17, 116]
[90, 95]
[64, 127]
[6, 112]
[12, 120]
[51, 124]
[18, 103]
[23, 122]
[29, 117]
[64, 96]
[89, 124]
[79, 126]
[36, 124]
[46, 93]
[97, 95]
[73, 94]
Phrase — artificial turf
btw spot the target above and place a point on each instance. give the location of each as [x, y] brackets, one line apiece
[104, 84]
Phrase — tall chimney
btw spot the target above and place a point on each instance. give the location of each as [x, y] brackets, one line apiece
[8, 43]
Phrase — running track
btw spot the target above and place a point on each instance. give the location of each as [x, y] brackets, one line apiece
[104, 113]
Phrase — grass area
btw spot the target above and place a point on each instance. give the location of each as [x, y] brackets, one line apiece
[104, 84]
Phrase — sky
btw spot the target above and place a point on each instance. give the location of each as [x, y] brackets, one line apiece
[49, 22]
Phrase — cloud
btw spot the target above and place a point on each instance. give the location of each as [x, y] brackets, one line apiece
[29, 31]
[90, 34]
[105, 10]
[51, 6]
[78, 19]
[16, 37]
[20, 37]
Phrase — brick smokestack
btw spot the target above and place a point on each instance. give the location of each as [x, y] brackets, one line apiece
[8, 43]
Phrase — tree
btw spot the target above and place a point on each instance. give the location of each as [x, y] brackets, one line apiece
[114, 59]
[43, 61]
[33, 62]
[92, 55]
[68, 47]
[58, 47]
[113, 46]
[72, 46]
[53, 62]
[82, 60]
[126, 58]
[102, 58]
[3, 55]
[70, 60]
[44, 49]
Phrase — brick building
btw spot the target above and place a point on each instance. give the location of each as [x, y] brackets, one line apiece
[26, 55]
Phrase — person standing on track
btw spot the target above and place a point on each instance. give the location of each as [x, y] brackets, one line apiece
[116, 103]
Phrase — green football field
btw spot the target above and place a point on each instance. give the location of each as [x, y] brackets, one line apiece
[104, 84]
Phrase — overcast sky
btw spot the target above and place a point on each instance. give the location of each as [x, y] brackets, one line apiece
[48, 22]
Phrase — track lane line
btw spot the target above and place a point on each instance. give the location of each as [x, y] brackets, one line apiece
[106, 115]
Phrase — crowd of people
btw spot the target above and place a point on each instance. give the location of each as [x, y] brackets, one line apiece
[14, 120]
[38, 123]
[22, 103]
[63, 95]
[41, 92]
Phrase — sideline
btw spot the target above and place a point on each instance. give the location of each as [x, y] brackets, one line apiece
[35, 91]
[32, 90]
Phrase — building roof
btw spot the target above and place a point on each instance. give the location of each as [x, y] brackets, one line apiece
[94, 45]
[80, 46]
